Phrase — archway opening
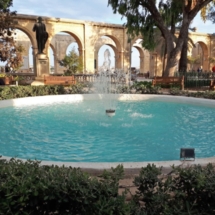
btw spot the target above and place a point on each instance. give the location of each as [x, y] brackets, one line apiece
[198, 61]
[23, 56]
[61, 45]
[138, 60]
[135, 58]
[105, 57]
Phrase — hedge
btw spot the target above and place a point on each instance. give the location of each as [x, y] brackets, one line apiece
[31, 188]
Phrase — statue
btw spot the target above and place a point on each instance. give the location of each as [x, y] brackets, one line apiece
[107, 61]
[41, 34]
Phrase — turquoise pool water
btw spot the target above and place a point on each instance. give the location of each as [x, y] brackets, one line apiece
[81, 132]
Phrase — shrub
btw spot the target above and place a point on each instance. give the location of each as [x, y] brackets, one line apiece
[145, 87]
[175, 91]
[27, 91]
[75, 89]
[189, 190]
[29, 188]
[123, 89]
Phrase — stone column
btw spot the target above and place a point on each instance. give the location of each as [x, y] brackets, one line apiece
[119, 60]
[34, 52]
[55, 63]
[82, 55]
[142, 65]
[205, 64]
[96, 65]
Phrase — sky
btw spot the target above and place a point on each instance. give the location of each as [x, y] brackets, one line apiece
[89, 10]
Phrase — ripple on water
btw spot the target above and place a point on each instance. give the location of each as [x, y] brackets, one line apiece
[81, 132]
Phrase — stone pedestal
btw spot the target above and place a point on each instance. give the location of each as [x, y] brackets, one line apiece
[42, 63]
[42, 67]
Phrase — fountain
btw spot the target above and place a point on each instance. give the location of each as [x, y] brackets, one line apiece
[107, 85]
[110, 112]
[74, 129]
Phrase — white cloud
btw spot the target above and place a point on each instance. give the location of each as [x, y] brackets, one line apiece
[90, 10]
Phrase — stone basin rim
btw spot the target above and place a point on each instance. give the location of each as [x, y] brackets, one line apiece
[134, 97]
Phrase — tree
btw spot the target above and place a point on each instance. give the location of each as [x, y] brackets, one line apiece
[188, 44]
[8, 47]
[15, 58]
[211, 14]
[73, 62]
[183, 60]
[140, 12]
[208, 12]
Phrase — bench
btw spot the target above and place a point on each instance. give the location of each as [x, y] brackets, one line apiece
[168, 81]
[59, 80]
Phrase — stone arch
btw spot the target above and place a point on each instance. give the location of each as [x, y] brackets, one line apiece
[103, 41]
[29, 34]
[145, 55]
[114, 50]
[204, 58]
[78, 41]
[140, 50]
[33, 41]
[117, 49]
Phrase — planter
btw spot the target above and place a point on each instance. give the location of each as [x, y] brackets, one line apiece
[7, 80]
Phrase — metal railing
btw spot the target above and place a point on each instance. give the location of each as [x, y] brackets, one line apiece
[196, 80]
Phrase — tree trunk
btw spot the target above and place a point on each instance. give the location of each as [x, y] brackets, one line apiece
[183, 59]
[164, 59]
[174, 52]
[172, 62]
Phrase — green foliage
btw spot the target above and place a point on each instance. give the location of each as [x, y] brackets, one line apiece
[18, 78]
[144, 17]
[8, 47]
[12, 92]
[29, 188]
[75, 89]
[208, 12]
[141, 20]
[175, 91]
[123, 89]
[145, 87]
[73, 63]
[198, 94]
[189, 190]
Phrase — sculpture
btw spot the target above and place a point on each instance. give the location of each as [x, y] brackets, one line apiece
[107, 61]
[41, 34]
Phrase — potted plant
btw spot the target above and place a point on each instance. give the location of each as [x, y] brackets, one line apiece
[6, 78]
